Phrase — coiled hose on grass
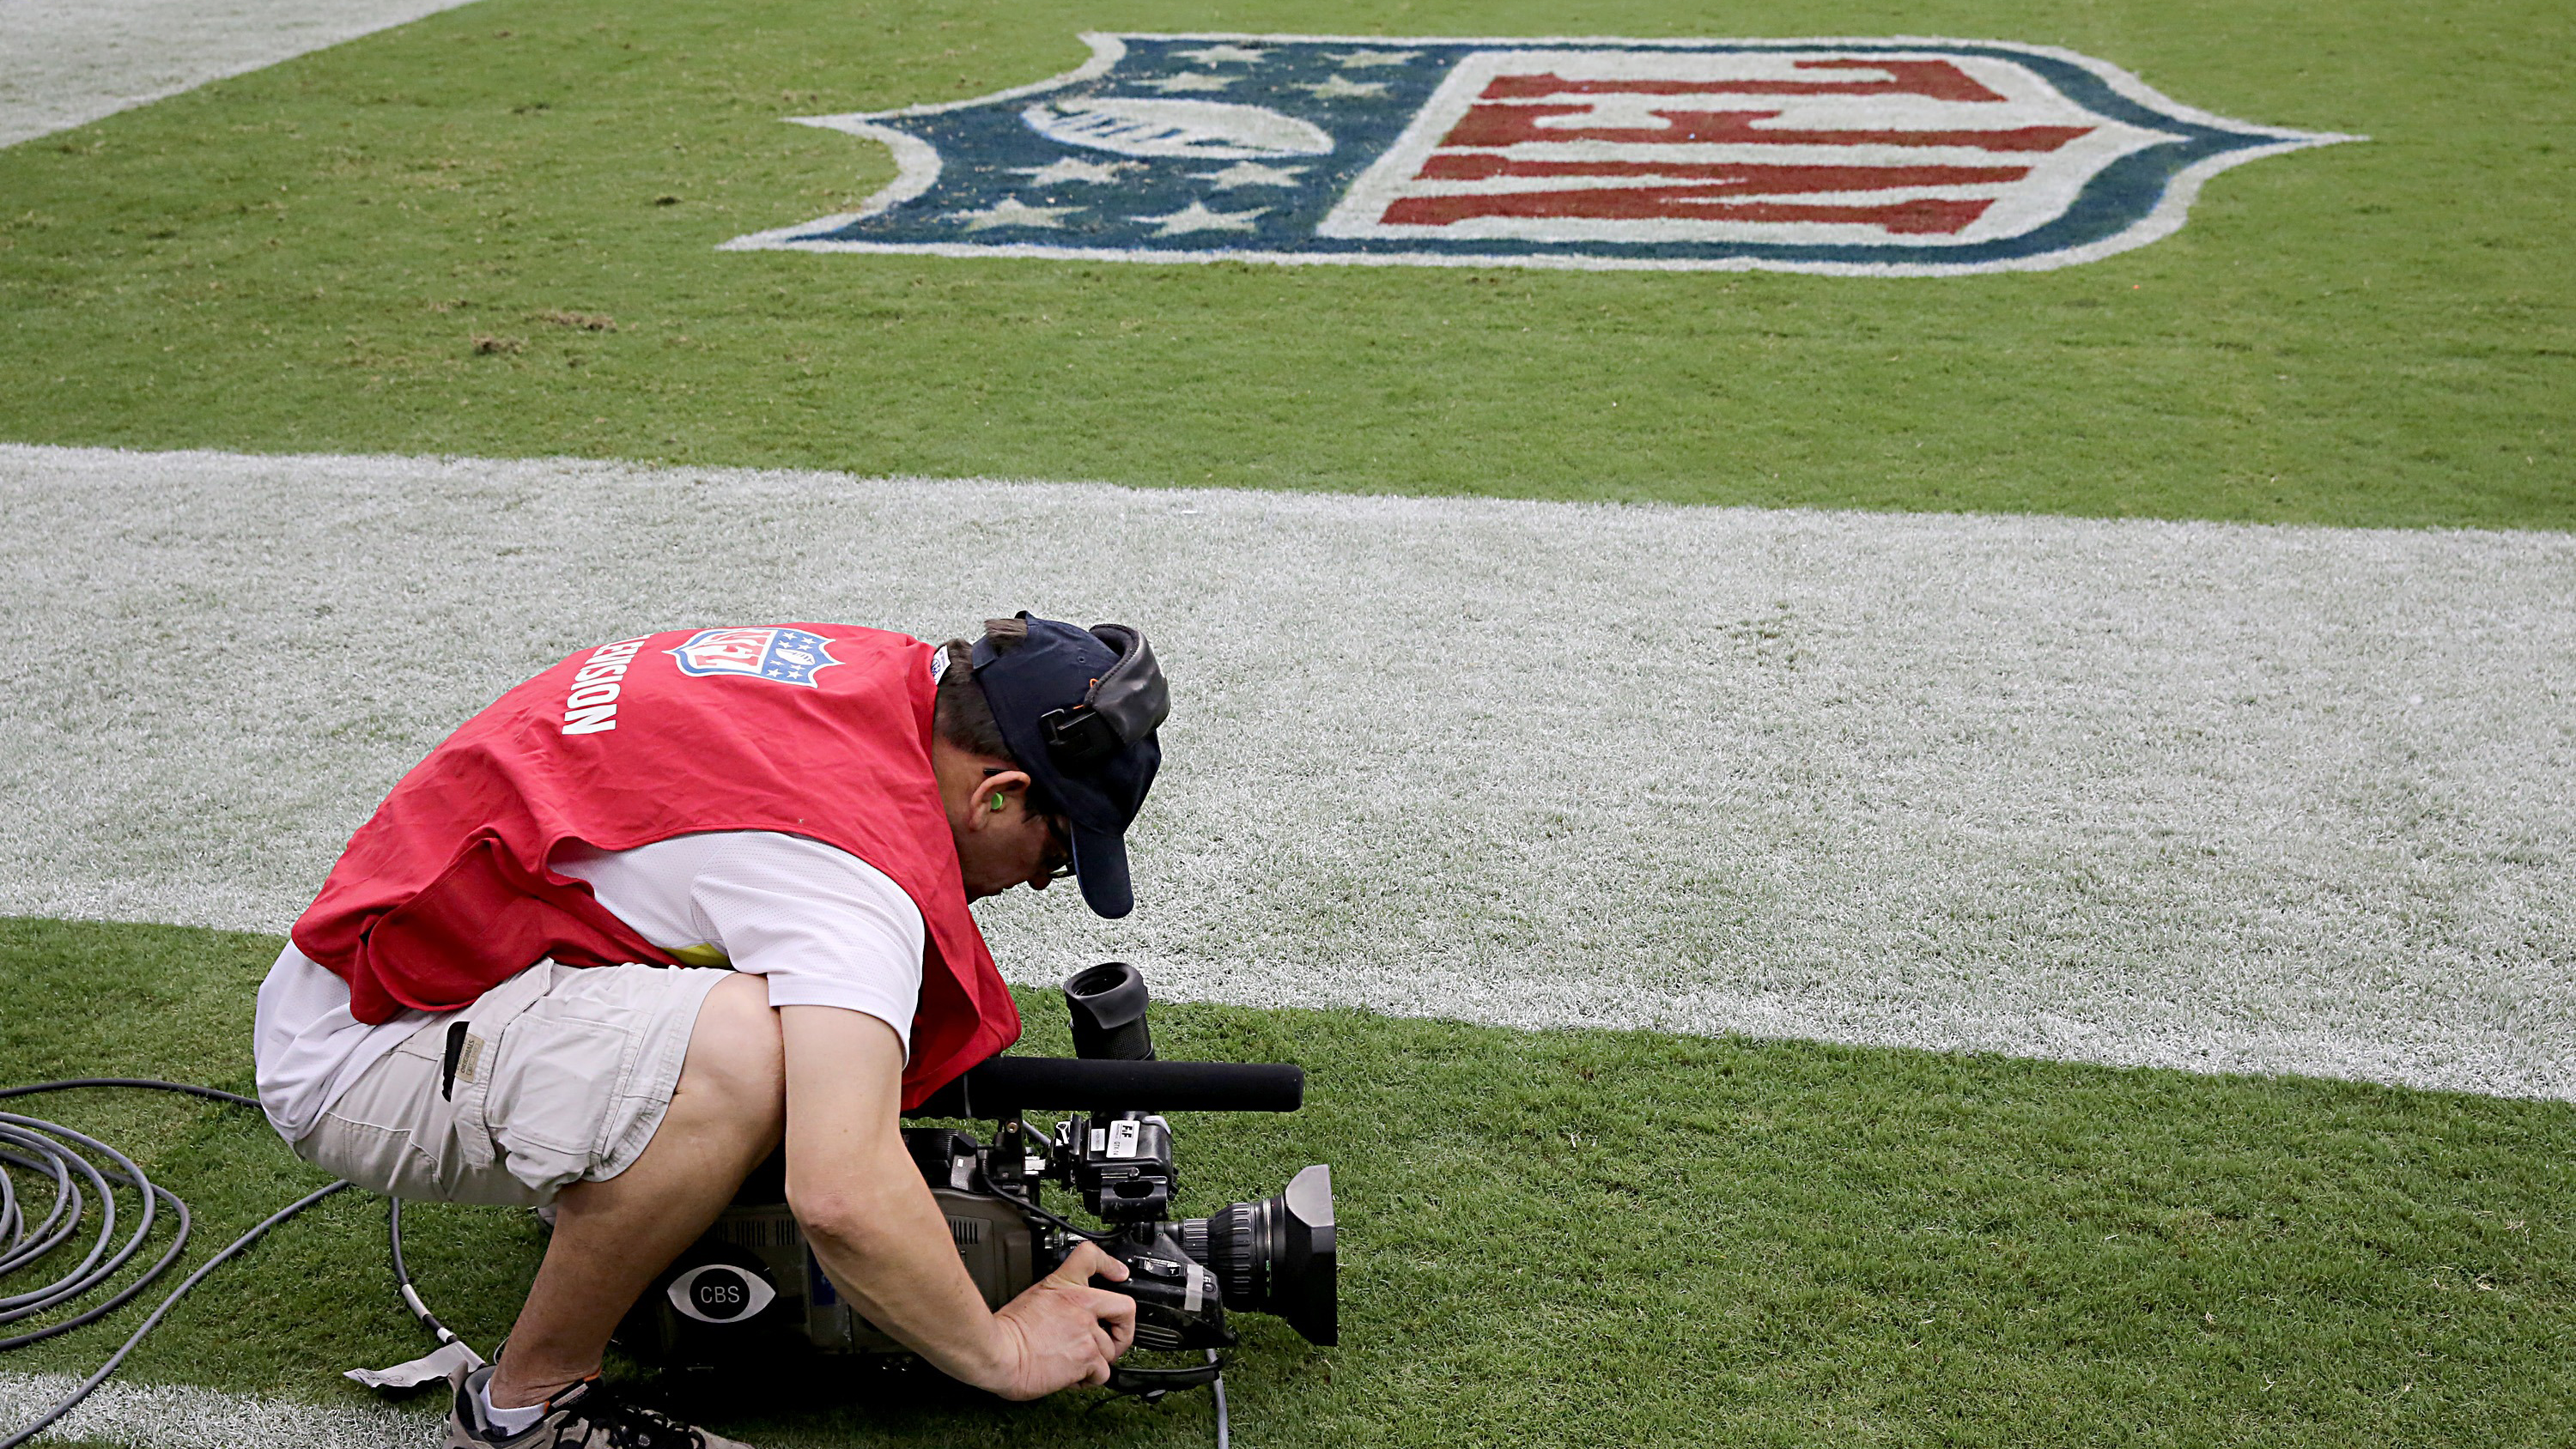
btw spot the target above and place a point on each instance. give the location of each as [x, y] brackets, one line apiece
[80, 1169]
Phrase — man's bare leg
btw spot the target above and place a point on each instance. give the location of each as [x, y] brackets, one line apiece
[611, 1238]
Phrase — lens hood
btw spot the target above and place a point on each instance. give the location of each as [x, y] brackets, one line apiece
[1306, 1284]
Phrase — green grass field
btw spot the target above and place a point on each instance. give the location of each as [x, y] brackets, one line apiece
[1583, 1237]
[493, 233]
[398, 245]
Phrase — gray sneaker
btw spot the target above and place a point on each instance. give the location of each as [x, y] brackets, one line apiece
[589, 1415]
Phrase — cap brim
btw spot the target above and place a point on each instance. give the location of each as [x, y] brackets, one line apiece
[1100, 868]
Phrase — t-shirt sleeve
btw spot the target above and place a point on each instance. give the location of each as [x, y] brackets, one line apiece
[825, 927]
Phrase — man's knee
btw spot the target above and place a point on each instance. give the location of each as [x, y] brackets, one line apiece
[735, 1072]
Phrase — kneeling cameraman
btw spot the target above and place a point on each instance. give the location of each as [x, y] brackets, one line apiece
[510, 988]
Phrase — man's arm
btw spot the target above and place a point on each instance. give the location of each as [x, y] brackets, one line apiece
[885, 1245]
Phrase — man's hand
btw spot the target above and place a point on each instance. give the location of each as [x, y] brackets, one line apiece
[1063, 1331]
[882, 1240]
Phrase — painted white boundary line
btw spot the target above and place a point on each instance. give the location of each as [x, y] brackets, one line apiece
[2206, 796]
[66, 63]
[172, 1416]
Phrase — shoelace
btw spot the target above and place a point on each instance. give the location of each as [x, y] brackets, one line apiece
[631, 1426]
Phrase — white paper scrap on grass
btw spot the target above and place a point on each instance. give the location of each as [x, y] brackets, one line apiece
[66, 63]
[177, 1416]
[2196, 795]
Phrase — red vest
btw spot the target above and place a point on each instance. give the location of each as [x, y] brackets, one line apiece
[819, 730]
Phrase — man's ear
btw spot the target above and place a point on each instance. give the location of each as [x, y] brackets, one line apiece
[994, 796]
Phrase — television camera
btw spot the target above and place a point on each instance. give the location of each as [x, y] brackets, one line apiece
[751, 1290]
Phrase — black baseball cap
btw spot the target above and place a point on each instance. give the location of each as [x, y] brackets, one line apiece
[1079, 709]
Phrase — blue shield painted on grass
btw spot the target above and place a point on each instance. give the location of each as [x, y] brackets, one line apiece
[1893, 157]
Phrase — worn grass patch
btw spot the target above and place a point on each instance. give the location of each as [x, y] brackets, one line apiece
[380, 248]
[1583, 1237]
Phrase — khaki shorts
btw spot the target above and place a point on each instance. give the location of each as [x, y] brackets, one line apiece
[557, 1075]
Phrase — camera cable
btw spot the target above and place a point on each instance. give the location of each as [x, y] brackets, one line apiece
[1223, 1439]
[1029, 1205]
[410, 1295]
[78, 1167]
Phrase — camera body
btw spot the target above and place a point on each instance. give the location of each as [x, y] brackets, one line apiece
[750, 1289]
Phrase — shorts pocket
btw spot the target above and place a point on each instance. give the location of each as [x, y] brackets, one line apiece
[380, 1159]
[555, 1081]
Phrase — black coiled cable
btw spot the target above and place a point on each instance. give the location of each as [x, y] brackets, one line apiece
[80, 1167]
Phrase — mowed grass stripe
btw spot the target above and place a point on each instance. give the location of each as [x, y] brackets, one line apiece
[1579, 1237]
[184, 1416]
[412, 243]
[71, 62]
[2189, 795]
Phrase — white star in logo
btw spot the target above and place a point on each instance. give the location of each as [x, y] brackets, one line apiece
[1196, 217]
[1251, 173]
[1073, 168]
[1220, 54]
[1342, 85]
[1358, 58]
[1190, 80]
[1011, 211]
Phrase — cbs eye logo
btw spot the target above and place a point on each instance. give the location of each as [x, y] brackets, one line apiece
[720, 1293]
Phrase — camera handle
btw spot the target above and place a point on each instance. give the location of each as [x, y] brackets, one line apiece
[1151, 1384]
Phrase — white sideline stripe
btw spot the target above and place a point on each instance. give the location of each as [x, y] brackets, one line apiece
[66, 63]
[2186, 794]
[173, 1416]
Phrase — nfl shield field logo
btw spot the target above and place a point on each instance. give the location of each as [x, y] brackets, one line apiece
[1894, 157]
[787, 656]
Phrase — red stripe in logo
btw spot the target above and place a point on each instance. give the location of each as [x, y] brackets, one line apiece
[1926, 215]
[1938, 79]
[1508, 125]
[1753, 177]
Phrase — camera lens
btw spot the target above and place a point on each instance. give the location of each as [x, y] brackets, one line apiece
[1276, 1256]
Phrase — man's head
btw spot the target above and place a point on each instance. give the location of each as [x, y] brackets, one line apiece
[1049, 736]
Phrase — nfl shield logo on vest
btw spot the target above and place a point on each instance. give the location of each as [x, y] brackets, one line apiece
[1891, 157]
[785, 656]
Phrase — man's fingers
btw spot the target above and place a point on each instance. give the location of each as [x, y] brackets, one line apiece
[1085, 1262]
[1107, 1321]
[1117, 1315]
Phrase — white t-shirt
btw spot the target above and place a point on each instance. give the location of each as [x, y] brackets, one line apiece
[826, 928]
